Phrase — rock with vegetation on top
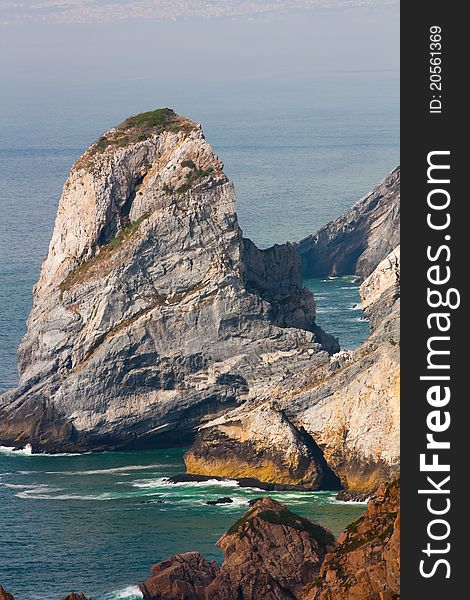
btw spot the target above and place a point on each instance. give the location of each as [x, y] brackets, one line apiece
[152, 314]
[270, 553]
[366, 563]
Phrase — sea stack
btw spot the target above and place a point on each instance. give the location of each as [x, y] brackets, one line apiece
[152, 314]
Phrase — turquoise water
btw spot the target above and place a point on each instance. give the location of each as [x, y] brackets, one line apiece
[339, 310]
[96, 522]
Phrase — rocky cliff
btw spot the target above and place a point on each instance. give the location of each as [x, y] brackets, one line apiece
[340, 419]
[152, 314]
[365, 565]
[357, 241]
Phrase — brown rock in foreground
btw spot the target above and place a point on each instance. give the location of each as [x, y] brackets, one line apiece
[366, 563]
[270, 553]
[4, 595]
[181, 577]
[75, 596]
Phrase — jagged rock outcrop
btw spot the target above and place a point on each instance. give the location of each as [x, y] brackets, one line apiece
[181, 577]
[357, 241]
[366, 563]
[347, 407]
[4, 595]
[260, 445]
[151, 313]
[270, 553]
[354, 414]
[75, 596]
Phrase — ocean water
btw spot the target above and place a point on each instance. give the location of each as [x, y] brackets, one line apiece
[339, 310]
[96, 522]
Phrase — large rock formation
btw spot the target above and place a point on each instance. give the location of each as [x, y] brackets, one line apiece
[343, 415]
[366, 563]
[354, 414]
[152, 313]
[270, 553]
[357, 241]
[261, 445]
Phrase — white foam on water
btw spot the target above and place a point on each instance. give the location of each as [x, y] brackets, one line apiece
[163, 481]
[131, 592]
[28, 451]
[12, 451]
[17, 486]
[355, 502]
[127, 469]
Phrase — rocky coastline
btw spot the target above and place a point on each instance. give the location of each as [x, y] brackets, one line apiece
[155, 323]
[274, 554]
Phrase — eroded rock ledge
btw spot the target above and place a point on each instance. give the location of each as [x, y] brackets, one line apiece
[152, 314]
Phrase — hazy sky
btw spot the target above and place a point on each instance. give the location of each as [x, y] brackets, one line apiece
[61, 74]
[80, 11]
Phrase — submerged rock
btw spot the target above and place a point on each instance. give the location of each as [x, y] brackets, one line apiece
[224, 500]
[152, 314]
[181, 577]
[366, 563]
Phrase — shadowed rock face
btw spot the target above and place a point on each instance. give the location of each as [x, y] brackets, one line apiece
[152, 314]
[347, 408]
[356, 242]
[366, 563]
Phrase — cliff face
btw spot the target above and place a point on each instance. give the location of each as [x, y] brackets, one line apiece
[151, 313]
[357, 241]
[347, 408]
[366, 563]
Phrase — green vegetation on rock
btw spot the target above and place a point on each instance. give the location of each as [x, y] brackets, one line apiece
[140, 127]
[81, 273]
